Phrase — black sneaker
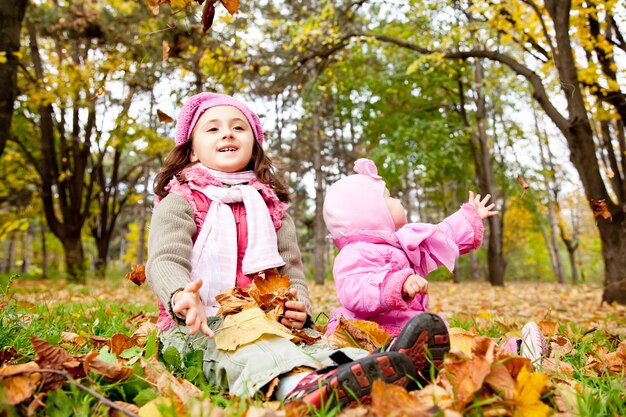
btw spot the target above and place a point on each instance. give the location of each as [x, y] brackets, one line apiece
[352, 382]
[425, 340]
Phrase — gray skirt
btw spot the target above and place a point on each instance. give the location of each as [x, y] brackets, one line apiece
[248, 368]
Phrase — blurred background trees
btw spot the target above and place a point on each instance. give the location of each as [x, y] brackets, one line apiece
[518, 99]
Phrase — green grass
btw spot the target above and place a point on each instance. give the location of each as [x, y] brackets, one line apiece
[594, 395]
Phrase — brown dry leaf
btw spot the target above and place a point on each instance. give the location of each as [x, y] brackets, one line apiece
[19, 383]
[7, 355]
[297, 409]
[233, 301]
[556, 365]
[231, 5]
[111, 371]
[153, 5]
[390, 400]
[99, 93]
[616, 361]
[464, 377]
[501, 381]
[137, 275]
[302, 336]
[548, 328]
[73, 339]
[270, 291]
[121, 342]
[52, 357]
[246, 327]
[484, 347]
[434, 396]
[461, 340]
[600, 209]
[560, 346]
[164, 117]
[99, 342]
[362, 334]
[165, 47]
[140, 335]
[523, 183]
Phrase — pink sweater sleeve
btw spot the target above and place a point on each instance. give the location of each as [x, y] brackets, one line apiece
[465, 228]
[366, 284]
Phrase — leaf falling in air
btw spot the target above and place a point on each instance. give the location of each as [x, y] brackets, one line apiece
[164, 117]
[523, 183]
[231, 5]
[137, 275]
[99, 93]
[153, 5]
[208, 13]
[166, 50]
[600, 209]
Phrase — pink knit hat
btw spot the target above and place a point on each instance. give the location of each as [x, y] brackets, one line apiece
[355, 205]
[198, 104]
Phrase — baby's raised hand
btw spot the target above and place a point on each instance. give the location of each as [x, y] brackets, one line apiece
[187, 303]
[481, 206]
[414, 285]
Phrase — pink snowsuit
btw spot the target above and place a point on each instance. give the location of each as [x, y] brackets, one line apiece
[375, 260]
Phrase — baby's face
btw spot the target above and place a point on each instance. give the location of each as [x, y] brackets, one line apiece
[396, 209]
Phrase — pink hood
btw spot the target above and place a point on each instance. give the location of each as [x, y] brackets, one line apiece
[355, 206]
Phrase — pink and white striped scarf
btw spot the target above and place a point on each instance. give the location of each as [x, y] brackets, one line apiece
[214, 255]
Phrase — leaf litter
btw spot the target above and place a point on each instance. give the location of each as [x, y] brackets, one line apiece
[477, 374]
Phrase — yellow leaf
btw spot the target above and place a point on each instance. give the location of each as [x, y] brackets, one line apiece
[462, 340]
[528, 394]
[246, 327]
[3, 57]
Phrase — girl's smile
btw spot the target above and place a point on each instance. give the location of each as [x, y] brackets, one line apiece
[223, 139]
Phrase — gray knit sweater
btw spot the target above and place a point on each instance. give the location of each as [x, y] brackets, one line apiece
[170, 243]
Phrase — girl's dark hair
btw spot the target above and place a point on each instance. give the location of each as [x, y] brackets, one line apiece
[179, 158]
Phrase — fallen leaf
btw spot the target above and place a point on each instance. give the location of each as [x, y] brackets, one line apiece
[246, 327]
[113, 372]
[19, 383]
[121, 342]
[501, 381]
[528, 390]
[390, 400]
[7, 355]
[362, 334]
[461, 340]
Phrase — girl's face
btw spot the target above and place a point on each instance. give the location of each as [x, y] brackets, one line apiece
[222, 139]
[396, 209]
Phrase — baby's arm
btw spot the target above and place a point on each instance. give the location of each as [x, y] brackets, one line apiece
[367, 283]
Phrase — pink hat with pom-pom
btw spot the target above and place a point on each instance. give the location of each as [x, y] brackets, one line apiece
[199, 103]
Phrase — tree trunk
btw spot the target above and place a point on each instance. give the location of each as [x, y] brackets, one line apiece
[482, 154]
[74, 257]
[613, 237]
[8, 268]
[474, 271]
[143, 219]
[320, 226]
[11, 16]
[44, 250]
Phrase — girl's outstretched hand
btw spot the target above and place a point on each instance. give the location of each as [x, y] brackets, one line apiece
[481, 206]
[187, 303]
[295, 313]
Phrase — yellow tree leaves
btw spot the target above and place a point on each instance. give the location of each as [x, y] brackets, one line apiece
[362, 334]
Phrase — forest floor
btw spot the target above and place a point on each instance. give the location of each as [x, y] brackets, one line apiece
[52, 323]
